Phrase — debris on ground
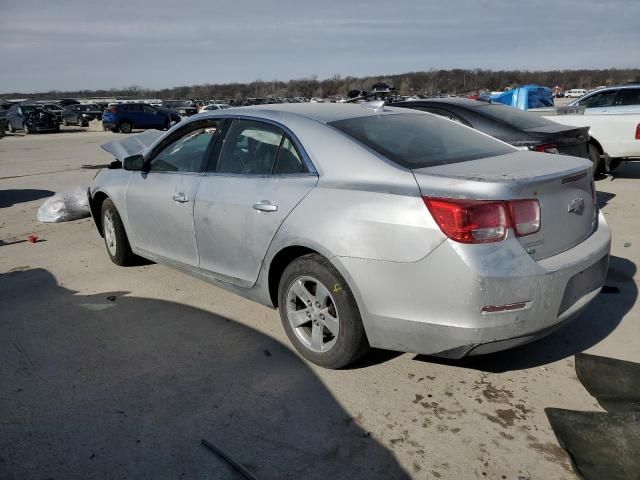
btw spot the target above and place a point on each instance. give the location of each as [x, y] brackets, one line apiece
[70, 204]
[245, 473]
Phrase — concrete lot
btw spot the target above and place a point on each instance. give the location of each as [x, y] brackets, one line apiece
[109, 372]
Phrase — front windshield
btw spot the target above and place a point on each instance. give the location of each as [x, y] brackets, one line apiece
[30, 108]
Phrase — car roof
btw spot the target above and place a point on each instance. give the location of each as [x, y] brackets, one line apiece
[320, 112]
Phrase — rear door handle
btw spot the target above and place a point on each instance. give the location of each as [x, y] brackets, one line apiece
[265, 206]
[180, 198]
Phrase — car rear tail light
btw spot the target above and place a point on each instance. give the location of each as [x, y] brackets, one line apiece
[638, 132]
[113, 109]
[525, 216]
[484, 221]
[468, 221]
[546, 148]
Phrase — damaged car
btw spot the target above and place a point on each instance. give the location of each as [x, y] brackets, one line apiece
[31, 118]
[364, 225]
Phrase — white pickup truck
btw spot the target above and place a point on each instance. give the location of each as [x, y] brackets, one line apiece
[614, 138]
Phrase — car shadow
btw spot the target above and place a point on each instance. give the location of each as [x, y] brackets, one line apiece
[12, 197]
[113, 386]
[596, 323]
[603, 198]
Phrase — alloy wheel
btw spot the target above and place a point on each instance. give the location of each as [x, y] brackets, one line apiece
[109, 233]
[312, 314]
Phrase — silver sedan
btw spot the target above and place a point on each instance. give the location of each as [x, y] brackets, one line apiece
[364, 225]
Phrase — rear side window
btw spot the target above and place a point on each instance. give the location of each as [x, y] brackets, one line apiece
[513, 116]
[288, 160]
[629, 96]
[444, 113]
[416, 141]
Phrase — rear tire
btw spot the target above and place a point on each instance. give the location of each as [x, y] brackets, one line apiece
[26, 129]
[115, 237]
[594, 156]
[333, 336]
[11, 129]
[126, 127]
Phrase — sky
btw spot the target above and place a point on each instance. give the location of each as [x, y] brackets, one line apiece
[67, 45]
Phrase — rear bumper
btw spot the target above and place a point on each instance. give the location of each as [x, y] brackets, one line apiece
[435, 306]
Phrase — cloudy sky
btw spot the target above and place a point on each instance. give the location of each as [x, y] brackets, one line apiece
[60, 44]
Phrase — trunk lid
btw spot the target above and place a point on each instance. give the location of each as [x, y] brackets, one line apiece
[561, 184]
[569, 140]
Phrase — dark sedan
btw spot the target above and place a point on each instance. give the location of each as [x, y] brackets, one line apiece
[81, 114]
[523, 130]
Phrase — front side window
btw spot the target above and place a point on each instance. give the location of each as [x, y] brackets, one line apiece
[419, 140]
[148, 109]
[250, 148]
[188, 152]
[599, 100]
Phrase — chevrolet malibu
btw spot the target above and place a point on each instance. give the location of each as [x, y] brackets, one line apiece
[364, 225]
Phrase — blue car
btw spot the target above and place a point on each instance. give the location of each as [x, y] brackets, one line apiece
[124, 117]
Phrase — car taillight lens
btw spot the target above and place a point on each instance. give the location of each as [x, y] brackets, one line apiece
[525, 216]
[638, 132]
[484, 221]
[546, 148]
[468, 221]
[113, 109]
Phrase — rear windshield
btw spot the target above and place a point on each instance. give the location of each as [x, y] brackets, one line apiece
[513, 116]
[420, 140]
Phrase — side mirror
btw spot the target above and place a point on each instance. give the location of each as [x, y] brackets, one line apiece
[134, 163]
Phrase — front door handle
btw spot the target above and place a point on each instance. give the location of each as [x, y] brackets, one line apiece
[180, 198]
[265, 206]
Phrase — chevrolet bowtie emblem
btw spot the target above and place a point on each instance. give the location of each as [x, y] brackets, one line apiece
[576, 206]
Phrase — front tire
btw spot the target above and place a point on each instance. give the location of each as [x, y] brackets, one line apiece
[115, 237]
[65, 123]
[319, 313]
[26, 129]
[11, 129]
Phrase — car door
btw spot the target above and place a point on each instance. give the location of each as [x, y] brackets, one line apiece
[152, 117]
[159, 203]
[261, 174]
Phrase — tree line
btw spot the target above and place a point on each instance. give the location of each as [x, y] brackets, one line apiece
[432, 82]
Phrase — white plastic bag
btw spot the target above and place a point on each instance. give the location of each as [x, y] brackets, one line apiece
[70, 204]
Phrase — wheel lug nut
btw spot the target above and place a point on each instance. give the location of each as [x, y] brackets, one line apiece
[308, 314]
[309, 302]
[315, 322]
[321, 317]
[318, 304]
